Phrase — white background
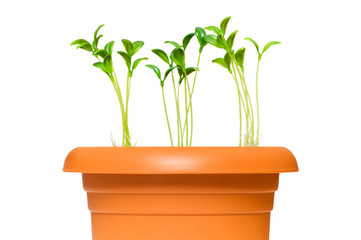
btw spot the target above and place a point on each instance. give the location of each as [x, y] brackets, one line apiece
[52, 100]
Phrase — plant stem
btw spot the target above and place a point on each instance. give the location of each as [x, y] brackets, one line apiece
[185, 107]
[166, 114]
[177, 108]
[257, 139]
[240, 101]
[180, 144]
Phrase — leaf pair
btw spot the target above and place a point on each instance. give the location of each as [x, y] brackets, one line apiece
[84, 44]
[132, 48]
[200, 34]
[224, 62]
[106, 66]
[158, 73]
[265, 48]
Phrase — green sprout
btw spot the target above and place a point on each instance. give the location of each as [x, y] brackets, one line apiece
[105, 63]
[233, 62]
[177, 60]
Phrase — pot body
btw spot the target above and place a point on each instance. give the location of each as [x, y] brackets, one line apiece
[180, 206]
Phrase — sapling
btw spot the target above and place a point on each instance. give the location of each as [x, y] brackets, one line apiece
[176, 60]
[233, 62]
[105, 63]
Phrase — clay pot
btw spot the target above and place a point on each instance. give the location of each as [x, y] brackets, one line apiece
[188, 193]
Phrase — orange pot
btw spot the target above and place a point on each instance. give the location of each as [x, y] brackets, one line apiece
[189, 193]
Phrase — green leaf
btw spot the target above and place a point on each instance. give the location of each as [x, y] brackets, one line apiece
[190, 70]
[224, 24]
[100, 65]
[101, 53]
[126, 58]
[86, 46]
[109, 47]
[168, 71]
[155, 69]
[240, 56]
[212, 39]
[108, 64]
[97, 30]
[214, 29]
[178, 57]
[137, 45]
[227, 61]
[96, 37]
[160, 53]
[79, 41]
[95, 42]
[181, 75]
[200, 33]
[222, 42]
[128, 45]
[220, 61]
[270, 44]
[231, 38]
[136, 62]
[173, 43]
[187, 39]
[255, 44]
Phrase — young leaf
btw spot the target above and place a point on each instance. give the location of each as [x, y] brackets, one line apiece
[126, 58]
[178, 57]
[79, 41]
[101, 53]
[155, 69]
[108, 64]
[109, 47]
[200, 33]
[85, 46]
[220, 61]
[168, 71]
[137, 45]
[160, 53]
[255, 44]
[173, 43]
[270, 44]
[227, 61]
[136, 62]
[186, 40]
[100, 65]
[224, 24]
[128, 45]
[213, 29]
[190, 70]
[97, 30]
[95, 42]
[212, 39]
[240, 56]
[230, 39]
[222, 42]
[96, 37]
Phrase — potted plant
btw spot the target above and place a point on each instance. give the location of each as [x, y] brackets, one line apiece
[181, 192]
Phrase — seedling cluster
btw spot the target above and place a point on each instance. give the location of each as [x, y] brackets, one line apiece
[183, 79]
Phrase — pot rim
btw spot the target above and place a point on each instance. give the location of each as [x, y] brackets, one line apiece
[180, 160]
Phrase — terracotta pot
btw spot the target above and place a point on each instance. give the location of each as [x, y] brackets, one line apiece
[189, 193]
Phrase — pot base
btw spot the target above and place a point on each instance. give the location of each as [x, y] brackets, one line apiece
[180, 227]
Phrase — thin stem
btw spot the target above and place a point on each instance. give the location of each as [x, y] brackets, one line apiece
[257, 139]
[179, 120]
[185, 107]
[240, 101]
[177, 108]
[166, 114]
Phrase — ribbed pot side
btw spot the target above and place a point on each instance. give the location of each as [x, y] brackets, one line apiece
[179, 207]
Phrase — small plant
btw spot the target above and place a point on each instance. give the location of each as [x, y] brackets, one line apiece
[105, 63]
[176, 60]
[233, 62]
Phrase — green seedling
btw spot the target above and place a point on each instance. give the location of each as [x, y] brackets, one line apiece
[233, 62]
[104, 62]
[177, 60]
